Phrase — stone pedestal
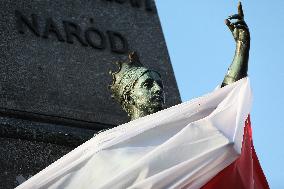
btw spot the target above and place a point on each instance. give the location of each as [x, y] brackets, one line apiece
[55, 56]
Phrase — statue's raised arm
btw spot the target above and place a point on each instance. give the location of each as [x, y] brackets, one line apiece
[239, 67]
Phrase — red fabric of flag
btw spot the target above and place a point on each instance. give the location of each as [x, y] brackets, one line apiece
[245, 172]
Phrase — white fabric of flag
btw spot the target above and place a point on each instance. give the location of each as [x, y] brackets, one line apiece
[182, 146]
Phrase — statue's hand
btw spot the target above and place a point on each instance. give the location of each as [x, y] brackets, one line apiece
[239, 28]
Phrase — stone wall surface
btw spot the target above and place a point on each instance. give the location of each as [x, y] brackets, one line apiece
[55, 56]
[51, 74]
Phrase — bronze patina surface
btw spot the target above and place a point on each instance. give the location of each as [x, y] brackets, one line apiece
[239, 67]
[138, 90]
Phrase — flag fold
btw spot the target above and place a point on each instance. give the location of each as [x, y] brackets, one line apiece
[184, 146]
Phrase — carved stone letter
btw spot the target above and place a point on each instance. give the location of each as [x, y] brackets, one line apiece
[21, 20]
[50, 26]
[73, 30]
[90, 40]
[118, 43]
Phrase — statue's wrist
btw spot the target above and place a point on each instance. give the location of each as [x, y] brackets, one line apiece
[242, 47]
[243, 42]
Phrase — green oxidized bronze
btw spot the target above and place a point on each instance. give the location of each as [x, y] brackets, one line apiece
[239, 67]
[139, 90]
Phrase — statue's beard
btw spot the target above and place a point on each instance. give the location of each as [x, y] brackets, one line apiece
[149, 105]
[155, 106]
[146, 109]
[157, 102]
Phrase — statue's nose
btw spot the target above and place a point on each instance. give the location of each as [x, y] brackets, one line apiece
[157, 87]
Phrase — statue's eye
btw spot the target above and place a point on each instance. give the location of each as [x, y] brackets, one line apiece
[147, 84]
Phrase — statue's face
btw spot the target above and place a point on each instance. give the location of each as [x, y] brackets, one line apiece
[148, 94]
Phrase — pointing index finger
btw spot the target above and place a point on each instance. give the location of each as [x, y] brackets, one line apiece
[240, 10]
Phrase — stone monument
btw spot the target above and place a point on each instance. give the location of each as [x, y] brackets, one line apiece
[54, 62]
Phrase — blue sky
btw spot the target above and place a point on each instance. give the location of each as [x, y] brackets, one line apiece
[201, 49]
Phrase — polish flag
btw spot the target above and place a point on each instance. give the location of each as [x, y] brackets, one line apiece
[204, 143]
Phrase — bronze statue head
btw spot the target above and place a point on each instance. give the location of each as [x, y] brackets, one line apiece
[138, 90]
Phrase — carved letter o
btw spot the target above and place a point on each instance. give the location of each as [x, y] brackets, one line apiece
[94, 31]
